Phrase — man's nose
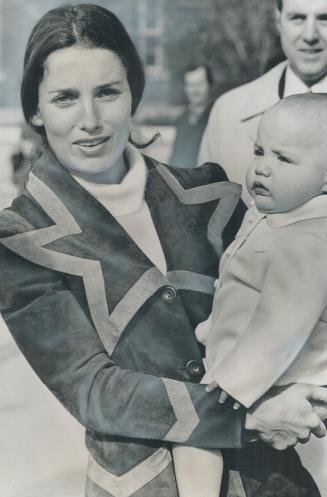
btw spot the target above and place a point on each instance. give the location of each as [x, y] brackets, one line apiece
[310, 31]
[89, 119]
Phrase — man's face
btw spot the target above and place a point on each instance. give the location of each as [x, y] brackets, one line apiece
[196, 86]
[303, 30]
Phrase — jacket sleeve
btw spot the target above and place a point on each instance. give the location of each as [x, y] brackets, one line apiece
[293, 297]
[61, 344]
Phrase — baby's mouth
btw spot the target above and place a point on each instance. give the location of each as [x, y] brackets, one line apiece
[260, 189]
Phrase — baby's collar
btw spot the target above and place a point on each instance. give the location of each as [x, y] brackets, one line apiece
[312, 209]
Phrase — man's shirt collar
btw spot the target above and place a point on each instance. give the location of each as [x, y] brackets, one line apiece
[295, 86]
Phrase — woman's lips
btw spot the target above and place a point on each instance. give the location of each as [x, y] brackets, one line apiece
[91, 146]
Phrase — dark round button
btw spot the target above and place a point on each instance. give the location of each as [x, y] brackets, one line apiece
[195, 368]
[168, 295]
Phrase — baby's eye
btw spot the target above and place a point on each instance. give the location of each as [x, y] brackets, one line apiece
[282, 158]
[258, 151]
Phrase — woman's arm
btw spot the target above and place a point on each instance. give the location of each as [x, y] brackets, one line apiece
[62, 346]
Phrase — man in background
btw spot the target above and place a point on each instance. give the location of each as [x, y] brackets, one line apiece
[198, 81]
[231, 130]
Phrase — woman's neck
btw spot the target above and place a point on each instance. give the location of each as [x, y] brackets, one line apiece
[113, 175]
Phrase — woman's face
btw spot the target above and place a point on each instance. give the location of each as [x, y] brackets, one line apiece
[85, 108]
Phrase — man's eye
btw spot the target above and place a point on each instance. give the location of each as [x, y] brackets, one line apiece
[296, 18]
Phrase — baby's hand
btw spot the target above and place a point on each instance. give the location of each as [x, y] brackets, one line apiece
[211, 387]
[223, 395]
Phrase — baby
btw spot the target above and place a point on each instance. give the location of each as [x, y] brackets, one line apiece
[269, 320]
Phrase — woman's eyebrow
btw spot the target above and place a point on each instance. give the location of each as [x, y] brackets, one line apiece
[75, 90]
[63, 90]
[112, 83]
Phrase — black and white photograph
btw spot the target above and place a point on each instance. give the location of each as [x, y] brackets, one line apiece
[163, 248]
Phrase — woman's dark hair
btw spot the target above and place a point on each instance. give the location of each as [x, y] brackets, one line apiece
[279, 5]
[89, 25]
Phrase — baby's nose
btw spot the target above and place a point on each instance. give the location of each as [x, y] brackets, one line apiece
[262, 168]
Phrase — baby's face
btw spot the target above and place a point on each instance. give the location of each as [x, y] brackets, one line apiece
[290, 162]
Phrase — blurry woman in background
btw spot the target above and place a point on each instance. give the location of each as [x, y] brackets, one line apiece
[108, 262]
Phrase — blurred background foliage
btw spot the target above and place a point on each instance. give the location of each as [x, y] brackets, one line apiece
[237, 38]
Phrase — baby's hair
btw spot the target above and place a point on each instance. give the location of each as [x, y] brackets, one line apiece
[308, 108]
[304, 100]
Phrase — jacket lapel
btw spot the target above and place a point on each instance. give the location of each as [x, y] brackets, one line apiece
[190, 213]
[265, 94]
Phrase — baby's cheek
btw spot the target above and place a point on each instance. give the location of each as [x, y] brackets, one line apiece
[250, 180]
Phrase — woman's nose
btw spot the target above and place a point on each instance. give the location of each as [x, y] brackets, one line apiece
[89, 117]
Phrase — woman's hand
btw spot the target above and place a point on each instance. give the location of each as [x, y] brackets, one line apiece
[286, 416]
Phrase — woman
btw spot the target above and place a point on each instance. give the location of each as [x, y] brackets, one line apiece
[106, 263]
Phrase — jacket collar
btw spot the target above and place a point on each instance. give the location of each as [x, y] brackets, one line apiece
[265, 93]
[166, 188]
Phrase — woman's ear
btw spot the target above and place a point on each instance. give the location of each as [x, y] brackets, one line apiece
[37, 120]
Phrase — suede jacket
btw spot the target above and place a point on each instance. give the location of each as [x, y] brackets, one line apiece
[108, 333]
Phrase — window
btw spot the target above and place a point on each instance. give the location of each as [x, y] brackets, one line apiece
[1, 41]
[148, 27]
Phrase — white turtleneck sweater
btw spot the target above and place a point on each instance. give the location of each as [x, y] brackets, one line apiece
[125, 202]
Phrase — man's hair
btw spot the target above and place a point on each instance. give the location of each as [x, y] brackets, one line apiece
[208, 71]
[279, 4]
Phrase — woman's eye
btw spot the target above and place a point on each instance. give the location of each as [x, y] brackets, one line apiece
[63, 100]
[108, 93]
